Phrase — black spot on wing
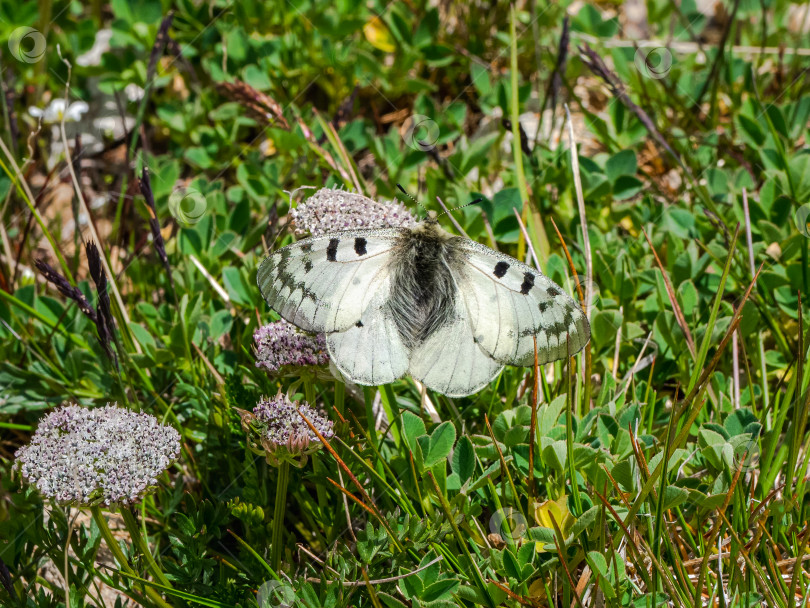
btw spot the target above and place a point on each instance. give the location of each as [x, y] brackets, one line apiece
[553, 291]
[331, 250]
[306, 248]
[500, 269]
[557, 328]
[307, 265]
[360, 246]
[528, 283]
[359, 324]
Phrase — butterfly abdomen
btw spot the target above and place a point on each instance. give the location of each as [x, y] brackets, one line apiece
[422, 291]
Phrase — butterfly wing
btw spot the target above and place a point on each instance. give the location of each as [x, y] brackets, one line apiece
[325, 283]
[450, 361]
[509, 303]
[371, 351]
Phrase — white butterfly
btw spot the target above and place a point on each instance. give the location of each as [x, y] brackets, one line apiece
[446, 310]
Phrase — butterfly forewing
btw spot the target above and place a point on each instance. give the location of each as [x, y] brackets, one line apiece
[509, 303]
[323, 284]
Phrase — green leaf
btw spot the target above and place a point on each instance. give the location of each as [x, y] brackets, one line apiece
[799, 171]
[554, 453]
[673, 496]
[412, 426]
[143, 337]
[753, 135]
[441, 442]
[463, 461]
[626, 186]
[199, 157]
[549, 414]
[479, 75]
[778, 120]
[585, 520]
[510, 564]
[622, 163]
[598, 563]
[604, 326]
[220, 324]
[443, 589]
[236, 286]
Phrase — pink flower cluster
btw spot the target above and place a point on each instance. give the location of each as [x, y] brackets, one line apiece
[332, 210]
[283, 425]
[282, 344]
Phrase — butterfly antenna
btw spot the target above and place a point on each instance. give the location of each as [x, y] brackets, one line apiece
[474, 202]
[405, 192]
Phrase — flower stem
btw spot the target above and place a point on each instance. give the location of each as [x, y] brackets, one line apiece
[309, 391]
[340, 397]
[278, 513]
[137, 537]
[98, 517]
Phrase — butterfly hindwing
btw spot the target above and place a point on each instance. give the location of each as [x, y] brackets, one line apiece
[450, 361]
[509, 303]
[324, 283]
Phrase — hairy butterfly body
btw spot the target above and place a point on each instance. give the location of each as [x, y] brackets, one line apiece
[446, 310]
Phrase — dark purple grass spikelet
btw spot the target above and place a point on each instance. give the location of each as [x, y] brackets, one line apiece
[160, 44]
[105, 323]
[597, 65]
[154, 225]
[260, 105]
[282, 344]
[66, 289]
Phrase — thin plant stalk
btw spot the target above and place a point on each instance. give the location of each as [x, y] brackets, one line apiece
[752, 269]
[138, 539]
[66, 572]
[311, 396]
[514, 117]
[586, 245]
[278, 514]
[112, 544]
[477, 576]
[112, 282]
[16, 176]
[340, 397]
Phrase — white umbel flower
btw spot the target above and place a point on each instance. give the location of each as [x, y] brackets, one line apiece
[97, 456]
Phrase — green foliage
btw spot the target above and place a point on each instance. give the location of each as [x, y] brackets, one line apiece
[667, 457]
